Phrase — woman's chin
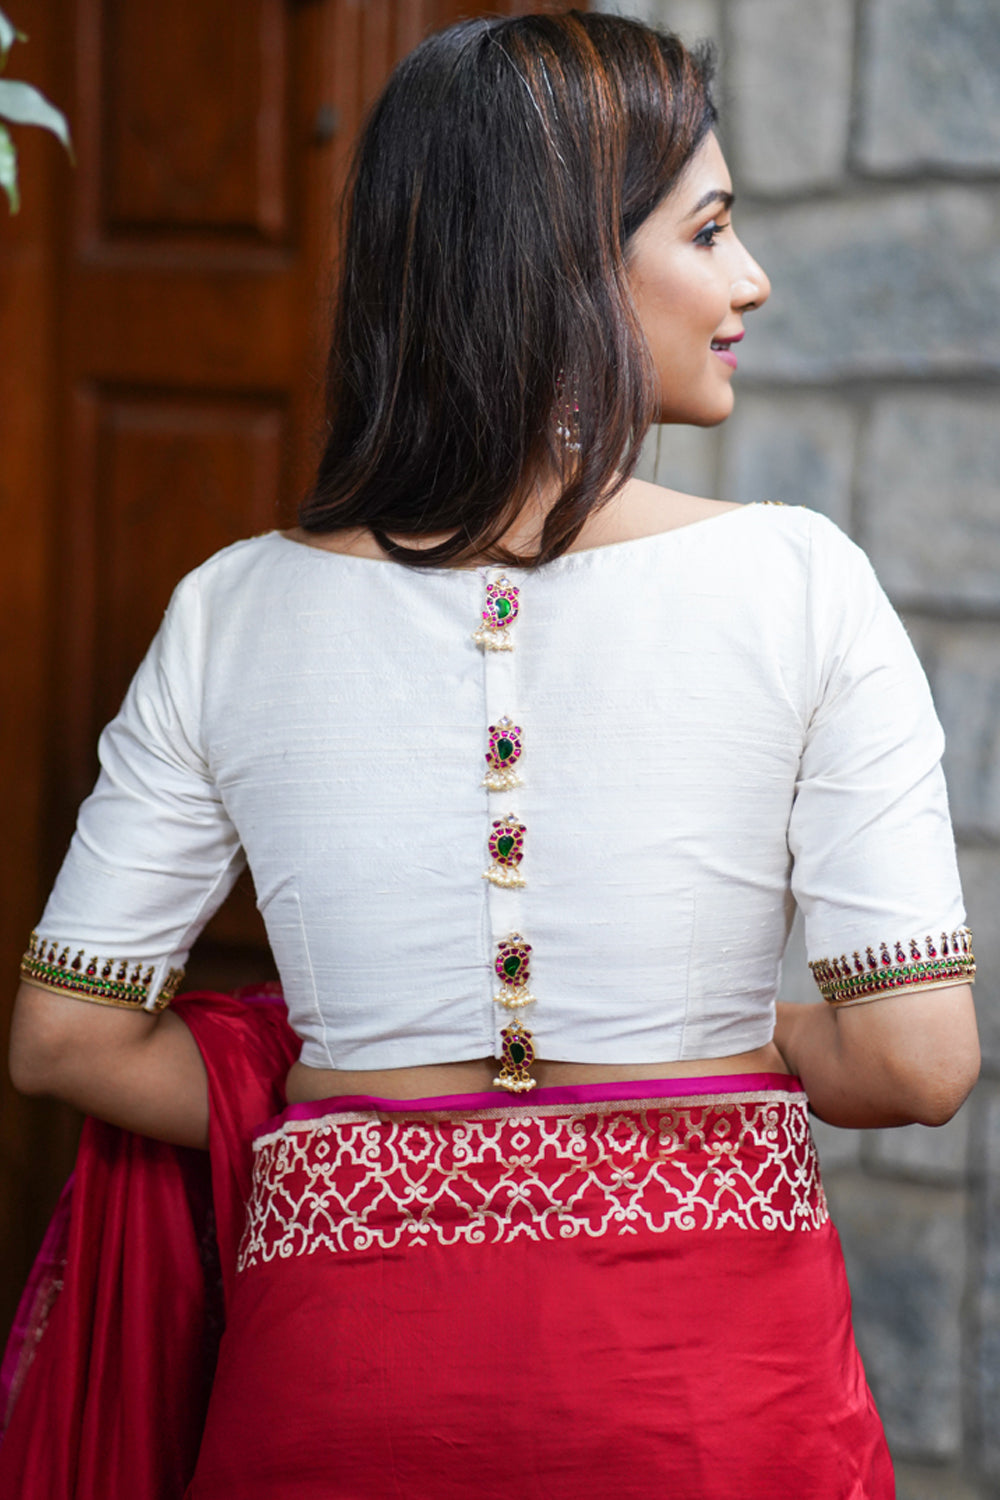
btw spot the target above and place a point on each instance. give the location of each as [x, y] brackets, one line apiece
[704, 414]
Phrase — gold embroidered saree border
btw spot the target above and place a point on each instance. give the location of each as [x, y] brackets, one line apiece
[354, 1181]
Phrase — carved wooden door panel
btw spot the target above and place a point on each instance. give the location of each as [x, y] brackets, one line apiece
[213, 140]
[167, 302]
[192, 346]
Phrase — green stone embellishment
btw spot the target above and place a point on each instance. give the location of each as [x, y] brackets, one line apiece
[512, 967]
[126, 983]
[506, 846]
[517, 1056]
[843, 981]
[504, 752]
[499, 610]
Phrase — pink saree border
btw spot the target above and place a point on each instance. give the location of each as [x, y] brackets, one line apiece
[578, 1093]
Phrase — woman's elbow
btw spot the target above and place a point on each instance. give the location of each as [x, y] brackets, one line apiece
[938, 1097]
[56, 1040]
[29, 1072]
[36, 1059]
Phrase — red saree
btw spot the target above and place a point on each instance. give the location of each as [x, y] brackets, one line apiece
[110, 1364]
[563, 1298]
[570, 1295]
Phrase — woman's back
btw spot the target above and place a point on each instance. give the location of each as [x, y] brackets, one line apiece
[643, 756]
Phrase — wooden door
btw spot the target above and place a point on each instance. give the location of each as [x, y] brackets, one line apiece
[169, 298]
[198, 264]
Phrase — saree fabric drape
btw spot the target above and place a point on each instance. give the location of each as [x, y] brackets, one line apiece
[108, 1371]
[572, 1295]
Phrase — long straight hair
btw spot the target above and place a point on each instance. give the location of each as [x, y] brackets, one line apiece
[485, 336]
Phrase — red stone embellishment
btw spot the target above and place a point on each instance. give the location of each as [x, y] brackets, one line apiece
[513, 968]
[517, 1056]
[506, 845]
[501, 757]
[499, 611]
[108, 981]
[903, 965]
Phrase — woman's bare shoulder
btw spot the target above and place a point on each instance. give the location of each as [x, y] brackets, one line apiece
[645, 509]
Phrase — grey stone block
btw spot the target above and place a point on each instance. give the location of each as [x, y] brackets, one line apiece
[989, 1294]
[929, 85]
[907, 283]
[693, 20]
[929, 487]
[839, 1150]
[790, 81]
[962, 661]
[796, 448]
[929, 1482]
[797, 983]
[980, 869]
[921, 1154]
[906, 1259]
[682, 458]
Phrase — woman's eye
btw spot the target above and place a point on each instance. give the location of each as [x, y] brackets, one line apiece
[710, 233]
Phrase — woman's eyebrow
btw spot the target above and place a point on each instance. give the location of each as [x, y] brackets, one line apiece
[715, 195]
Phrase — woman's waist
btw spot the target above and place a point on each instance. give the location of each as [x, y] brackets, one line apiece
[476, 1075]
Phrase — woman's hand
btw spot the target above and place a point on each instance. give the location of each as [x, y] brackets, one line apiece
[131, 1068]
[906, 1059]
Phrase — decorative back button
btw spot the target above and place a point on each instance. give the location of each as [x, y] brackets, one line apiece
[504, 752]
[513, 969]
[517, 1056]
[506, 845]
[499, 611]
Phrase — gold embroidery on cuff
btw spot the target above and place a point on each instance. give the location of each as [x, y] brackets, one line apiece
[107, 981]
[949, 961]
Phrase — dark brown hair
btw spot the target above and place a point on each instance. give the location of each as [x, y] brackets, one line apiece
[484, 291]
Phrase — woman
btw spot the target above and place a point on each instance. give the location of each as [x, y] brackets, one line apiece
[525, 818]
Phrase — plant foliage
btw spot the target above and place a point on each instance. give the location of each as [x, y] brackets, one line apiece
[22, 104]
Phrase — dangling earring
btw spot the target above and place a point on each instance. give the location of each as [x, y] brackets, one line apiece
[568, 415]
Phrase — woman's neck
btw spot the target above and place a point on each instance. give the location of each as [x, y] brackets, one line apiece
[639, 509]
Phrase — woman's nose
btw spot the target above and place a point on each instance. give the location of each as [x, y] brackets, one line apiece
[751, 288]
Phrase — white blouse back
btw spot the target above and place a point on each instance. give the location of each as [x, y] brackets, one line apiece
[714, 722]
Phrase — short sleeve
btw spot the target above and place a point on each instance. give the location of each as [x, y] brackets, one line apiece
[874, 867]
[154, 853]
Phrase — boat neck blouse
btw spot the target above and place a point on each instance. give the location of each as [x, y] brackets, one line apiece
[624, 768]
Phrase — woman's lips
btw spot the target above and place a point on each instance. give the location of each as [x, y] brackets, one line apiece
[721, 347]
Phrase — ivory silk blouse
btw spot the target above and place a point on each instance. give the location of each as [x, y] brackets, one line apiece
[599, 786]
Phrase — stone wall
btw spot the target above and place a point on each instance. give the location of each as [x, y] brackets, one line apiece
[864, 139]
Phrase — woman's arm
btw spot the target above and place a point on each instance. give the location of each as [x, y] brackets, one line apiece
[905, 1059]
[131, 1068]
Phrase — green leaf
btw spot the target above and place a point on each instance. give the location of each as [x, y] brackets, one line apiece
[22, 104]
[9, 34]
[8, 169]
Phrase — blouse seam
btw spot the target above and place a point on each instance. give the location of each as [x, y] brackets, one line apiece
[809, 646]
[682, 1045]
[195, 927]
[304, 937]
